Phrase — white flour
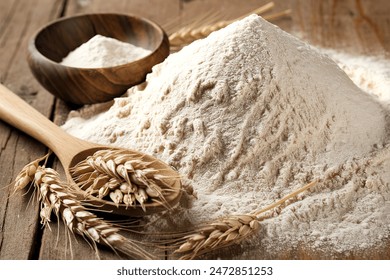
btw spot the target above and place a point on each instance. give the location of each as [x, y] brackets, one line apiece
[372, 74]
[101, 51]
[248, 115]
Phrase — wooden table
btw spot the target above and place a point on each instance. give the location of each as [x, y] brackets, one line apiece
[356, 26]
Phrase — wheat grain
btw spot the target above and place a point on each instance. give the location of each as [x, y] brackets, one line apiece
[55, 196]
[122, 177]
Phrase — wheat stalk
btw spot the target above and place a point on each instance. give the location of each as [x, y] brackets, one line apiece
[122, 177]
[54, 196]
[224, 232]
[188, 34]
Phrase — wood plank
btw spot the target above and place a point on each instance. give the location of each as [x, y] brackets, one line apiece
[228, 9]
[353, 25]
[19, 226]
[156, 10]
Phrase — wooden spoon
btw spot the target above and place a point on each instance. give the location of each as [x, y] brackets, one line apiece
[71, 150]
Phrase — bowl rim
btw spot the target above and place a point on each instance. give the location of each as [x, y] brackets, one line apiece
[156, 26]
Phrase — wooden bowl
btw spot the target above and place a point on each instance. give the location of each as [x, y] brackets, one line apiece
[93, 85]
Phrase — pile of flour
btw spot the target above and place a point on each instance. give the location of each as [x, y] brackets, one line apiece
[250, 114]
[102, 51]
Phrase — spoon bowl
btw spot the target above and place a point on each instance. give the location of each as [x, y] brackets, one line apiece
[71, 151]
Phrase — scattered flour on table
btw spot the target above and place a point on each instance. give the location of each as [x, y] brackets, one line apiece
[371, 74]
[101, 51]
[250, 114]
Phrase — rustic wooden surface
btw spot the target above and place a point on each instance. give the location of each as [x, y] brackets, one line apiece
[355, 26]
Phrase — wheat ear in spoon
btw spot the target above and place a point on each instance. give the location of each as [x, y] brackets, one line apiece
[153, 188]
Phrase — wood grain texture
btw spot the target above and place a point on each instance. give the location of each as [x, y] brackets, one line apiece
[355, 26]
[159, 11]
[20, 229]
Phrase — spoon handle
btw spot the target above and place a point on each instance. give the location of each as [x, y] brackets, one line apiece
[21, 115]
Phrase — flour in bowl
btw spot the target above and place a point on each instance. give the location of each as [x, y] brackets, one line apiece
[250, 114]
[101, 51]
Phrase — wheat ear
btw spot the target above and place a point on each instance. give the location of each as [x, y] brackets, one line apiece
[26, 176]
[122, 177]
[55, 197]
[216, 235]
[224, 232]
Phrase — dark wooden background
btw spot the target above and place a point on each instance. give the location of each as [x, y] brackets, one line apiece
[356, 26]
